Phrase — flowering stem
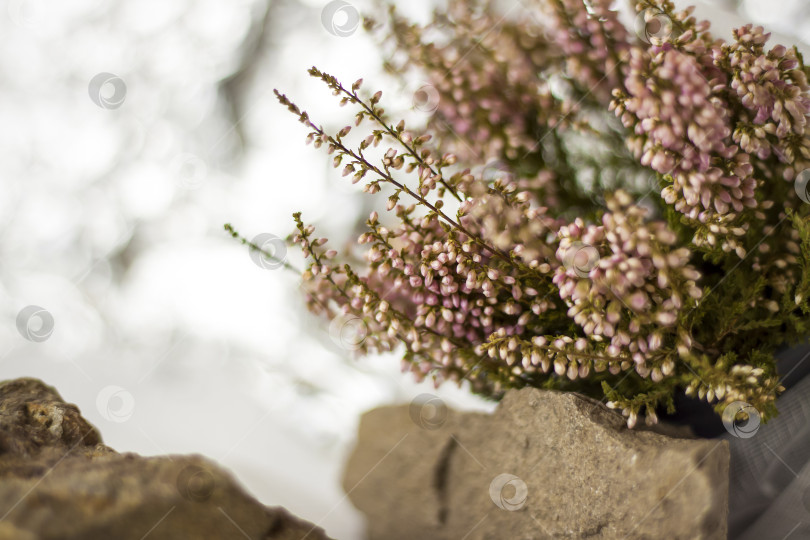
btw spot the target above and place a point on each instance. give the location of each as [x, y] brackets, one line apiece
[304, 117]
[353, 278]
[334, 84]
[235, 234]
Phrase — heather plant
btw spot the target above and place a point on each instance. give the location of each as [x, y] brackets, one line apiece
[588, 208]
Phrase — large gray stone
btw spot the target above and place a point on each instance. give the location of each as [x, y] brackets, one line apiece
[58, 481]
[577, 472]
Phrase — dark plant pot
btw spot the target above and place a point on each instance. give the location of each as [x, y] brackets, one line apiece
[793, 365]
[765, 465]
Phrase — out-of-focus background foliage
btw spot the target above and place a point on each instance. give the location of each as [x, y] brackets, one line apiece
[166, 334]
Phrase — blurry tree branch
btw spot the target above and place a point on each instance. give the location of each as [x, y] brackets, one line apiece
[234, 87]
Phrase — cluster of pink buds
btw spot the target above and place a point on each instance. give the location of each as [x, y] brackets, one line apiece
[522, 245]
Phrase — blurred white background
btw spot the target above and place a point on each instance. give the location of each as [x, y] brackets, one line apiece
[166, 334]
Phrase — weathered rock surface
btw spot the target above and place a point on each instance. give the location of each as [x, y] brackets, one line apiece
[577, 472]
[57, 480]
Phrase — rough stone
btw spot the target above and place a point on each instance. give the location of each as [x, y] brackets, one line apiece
[58, 481]
[577, 473]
